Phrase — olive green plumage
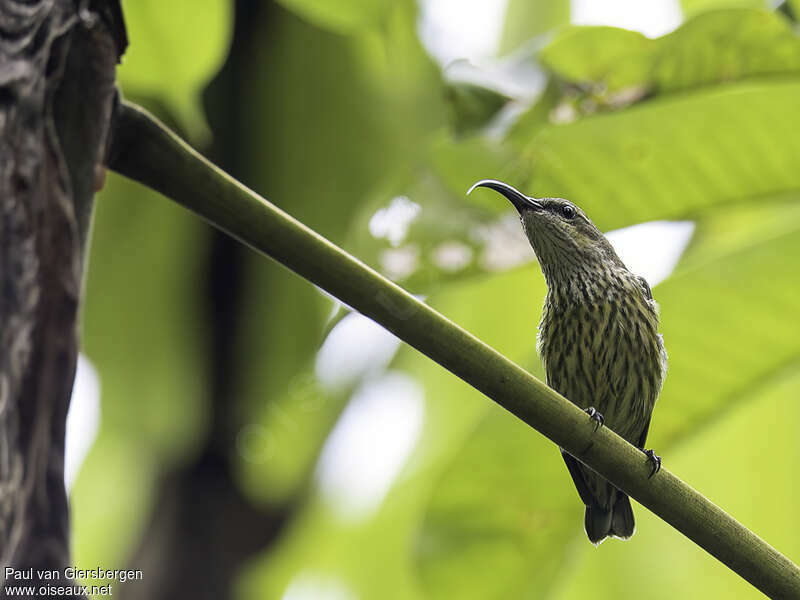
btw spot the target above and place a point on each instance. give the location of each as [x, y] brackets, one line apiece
[598, 340]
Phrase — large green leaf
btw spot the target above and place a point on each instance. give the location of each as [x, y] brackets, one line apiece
[615, 57]
[729, 319]
[672, 157]
[725, 45]
[615, 67]
[176, 48]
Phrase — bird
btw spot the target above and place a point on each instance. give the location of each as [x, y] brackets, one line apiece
[598, 341]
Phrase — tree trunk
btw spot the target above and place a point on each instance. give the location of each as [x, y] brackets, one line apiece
[57, 71]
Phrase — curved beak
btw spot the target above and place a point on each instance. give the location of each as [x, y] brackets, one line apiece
[517, 198]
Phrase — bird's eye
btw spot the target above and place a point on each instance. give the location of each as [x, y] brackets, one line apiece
[568, 212]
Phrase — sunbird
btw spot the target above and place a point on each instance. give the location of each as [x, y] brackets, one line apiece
[598, 341]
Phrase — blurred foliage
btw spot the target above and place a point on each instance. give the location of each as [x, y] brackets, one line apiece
[346, 16]
[525, 20]
[176, 63]
[473, 106]
[345, 115]
[694, 7]
[325, 105]
[143, 331]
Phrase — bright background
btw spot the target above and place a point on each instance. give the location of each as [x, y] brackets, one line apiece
[237, 433]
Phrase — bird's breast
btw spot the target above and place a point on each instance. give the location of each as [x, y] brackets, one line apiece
[607, 354]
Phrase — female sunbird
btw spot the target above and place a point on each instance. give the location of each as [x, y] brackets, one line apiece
[598, 340]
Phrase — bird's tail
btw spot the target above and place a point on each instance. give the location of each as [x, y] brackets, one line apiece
[616, 521]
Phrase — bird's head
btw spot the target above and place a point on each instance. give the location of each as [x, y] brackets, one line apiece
[564, 239]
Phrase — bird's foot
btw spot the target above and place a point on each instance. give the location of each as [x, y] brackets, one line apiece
[595, 416]
[655, 459]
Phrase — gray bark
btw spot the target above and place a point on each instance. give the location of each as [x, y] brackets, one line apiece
[57, 69]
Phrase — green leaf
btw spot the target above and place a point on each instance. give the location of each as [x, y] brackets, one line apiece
[694, 7]
[714, 47]
[726, 45]
[344, 16]
[526, 19]
[734, 274]
[739, 226]
[460, 162]
[602, 69]
[672, 157]
[176, 48]
[616, 57]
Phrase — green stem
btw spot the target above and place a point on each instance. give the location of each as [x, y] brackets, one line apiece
[146, 151]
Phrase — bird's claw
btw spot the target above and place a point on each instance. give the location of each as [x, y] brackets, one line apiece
[595, 416]
[655, 459]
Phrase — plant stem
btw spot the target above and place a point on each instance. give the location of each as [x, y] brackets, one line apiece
[146, 151]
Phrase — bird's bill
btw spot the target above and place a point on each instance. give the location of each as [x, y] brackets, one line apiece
[517, 198]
